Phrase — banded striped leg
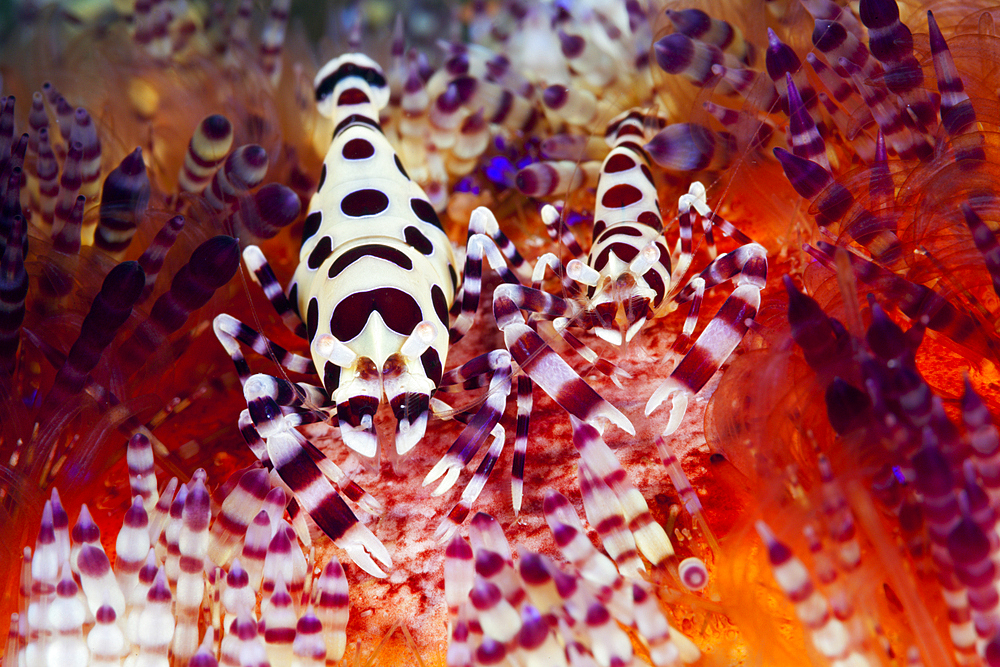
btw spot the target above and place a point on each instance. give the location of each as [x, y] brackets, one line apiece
[507, 301]
[485, 239]
[265, 393]
[697, 295]
[697, 199]
[560, 311]
[302, 468]
[602, 365]
[561, 234]
[262, 274]
[326, 507]
[747, 265]
[551, 218]
[689, 204]
[602, 464]
[686, 492]
[307, 473]
[231, 332]
[495, 365]
[461, 510]
[549, 260]
[524, 403]
[354, 492]
[542, 364]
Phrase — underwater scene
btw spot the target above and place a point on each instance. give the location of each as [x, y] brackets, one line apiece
[582, 333]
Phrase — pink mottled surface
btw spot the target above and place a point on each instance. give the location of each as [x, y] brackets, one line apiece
[413, 593]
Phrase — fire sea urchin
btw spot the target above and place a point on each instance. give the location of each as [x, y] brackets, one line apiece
[810, 185]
